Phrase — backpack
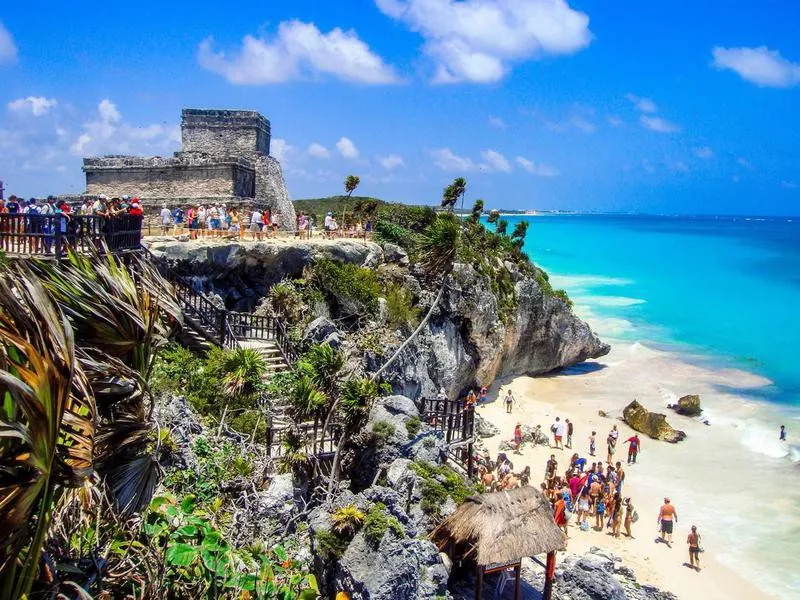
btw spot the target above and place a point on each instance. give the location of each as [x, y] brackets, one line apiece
[634, 516]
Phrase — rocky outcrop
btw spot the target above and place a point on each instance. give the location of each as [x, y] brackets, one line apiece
[688, 406]
[465, 343]
[651, 424]
[484, 428]
[322, 331]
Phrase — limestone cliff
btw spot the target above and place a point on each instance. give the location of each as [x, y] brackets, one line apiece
[465, 343]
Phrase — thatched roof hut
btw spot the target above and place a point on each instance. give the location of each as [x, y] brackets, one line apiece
[503, 526]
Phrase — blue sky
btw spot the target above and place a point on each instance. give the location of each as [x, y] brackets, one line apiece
[679, 107]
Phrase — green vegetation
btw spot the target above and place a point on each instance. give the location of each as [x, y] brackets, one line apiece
[330, 545]
[199, 562]
[413, 426]
[547, 289]
[439, 482]
[400, 308]
[362, 208]
[351, 291]
[382, 431]
[347, 520]
[378, 521]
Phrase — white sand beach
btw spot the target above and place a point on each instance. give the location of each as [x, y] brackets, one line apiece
[714, 477]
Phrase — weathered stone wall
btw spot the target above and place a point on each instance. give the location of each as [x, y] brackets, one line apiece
[270, 191]
[151, 178]
[221, 132]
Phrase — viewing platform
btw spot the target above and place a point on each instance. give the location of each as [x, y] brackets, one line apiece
[50, 236]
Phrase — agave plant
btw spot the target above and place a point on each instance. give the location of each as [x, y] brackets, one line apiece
[47, 422]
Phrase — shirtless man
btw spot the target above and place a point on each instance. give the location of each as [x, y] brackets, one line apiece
[550, 470]
[694, 548]
[667, 517]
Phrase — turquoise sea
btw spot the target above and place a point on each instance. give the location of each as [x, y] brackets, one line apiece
[724, 289]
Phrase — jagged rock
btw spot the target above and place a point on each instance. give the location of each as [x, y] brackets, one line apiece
[322, 331]
[531, 435]
[176, 416]
[267, 511]
[688, 406]
[398, 568]
[602, 413]
[652, 424]
[484, 428]
[395, 254]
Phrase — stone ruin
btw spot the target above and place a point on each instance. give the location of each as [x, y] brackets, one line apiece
[224, 158]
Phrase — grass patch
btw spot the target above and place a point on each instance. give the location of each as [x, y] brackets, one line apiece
[378, 522]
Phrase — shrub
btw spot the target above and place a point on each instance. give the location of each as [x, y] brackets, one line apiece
[378, 521]
[352, 292]
[439, 482]
[330, 545]
[382, 431]
[347, 520]
[400, 308]
[412, 426]
[387, 232]
[562, 294]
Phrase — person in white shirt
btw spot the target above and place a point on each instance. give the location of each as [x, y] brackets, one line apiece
[559, 429]
[166, 220]
[256, 222]
[328, 224]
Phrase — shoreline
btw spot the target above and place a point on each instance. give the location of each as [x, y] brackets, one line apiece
[694, 473]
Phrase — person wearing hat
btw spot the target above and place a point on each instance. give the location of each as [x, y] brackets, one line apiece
[328, 224]
[166, 219]
[667, 517]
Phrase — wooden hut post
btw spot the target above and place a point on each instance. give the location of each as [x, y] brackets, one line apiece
[549, 575]
[479, 584]
[518, 581]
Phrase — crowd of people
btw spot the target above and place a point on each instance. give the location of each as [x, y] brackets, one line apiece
[586, 493]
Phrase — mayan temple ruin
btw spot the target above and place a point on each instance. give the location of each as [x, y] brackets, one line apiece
[224, 158]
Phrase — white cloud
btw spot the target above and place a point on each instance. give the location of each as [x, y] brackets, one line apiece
[391, 162]
[743, 162]
[648, 166]
[704, 152]
[108, 133]
[318, 151]
[679, 167]
[280, 149]
[8, 49]
[579, 119]
[495, 161]
[614, 121]
[447, 161]
[299, 50]
[347, 148]
[789, 185]
[762, 66]
[36, 105]
[497, 122]
[645, 105]
[540, 169]
[658, 124]
[479, 40]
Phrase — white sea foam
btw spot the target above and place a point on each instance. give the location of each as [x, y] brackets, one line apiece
[584, 282]
[609, 301]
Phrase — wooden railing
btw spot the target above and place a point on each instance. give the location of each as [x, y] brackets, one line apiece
[457, 422]
[52, 235]
[310, 436]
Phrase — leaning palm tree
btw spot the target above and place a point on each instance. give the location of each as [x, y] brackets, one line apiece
[438, 248]
[47, 422]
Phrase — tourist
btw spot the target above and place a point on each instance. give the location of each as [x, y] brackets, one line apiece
[303, 226]
[620, 476]
[256, 221]
[274, 221]
[616, 514]
[191, 217]
[611, 441]
[234, 222]
[328, 224]
[630, 517]
[574, 484]
[592, 443]
[599, 510]
[201, 220]
[633, 449]
[525, 476]
[667, 517]
[472, 399]
[694, 548]
[560, 515]
[177, 220]
[166, 219]
[550, 468]
[569, 433]
[486, 477]
[482, 395]
[517, 438]
[510, 401]
[135, 209]
[782, 434]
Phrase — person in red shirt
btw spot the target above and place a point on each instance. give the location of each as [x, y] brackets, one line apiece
[633, 449]
[136, 208]
[517, 438]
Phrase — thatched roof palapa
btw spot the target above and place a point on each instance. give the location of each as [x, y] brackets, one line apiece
[503, 526]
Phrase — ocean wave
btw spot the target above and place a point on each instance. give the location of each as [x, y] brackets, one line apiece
[765, 441]
[609, 301]
[575, 282]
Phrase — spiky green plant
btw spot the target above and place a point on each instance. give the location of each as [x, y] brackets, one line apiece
[346, 520]
[46, 424]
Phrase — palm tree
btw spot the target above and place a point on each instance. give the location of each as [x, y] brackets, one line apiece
[494, 217]
[477, 211]
[438, 249]
[350, 184]
[518, 236]
[453, 192]
[501, 227]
